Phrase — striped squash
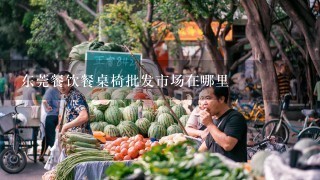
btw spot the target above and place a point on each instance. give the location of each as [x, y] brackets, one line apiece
[128, 128]
[130, 113]
[111, 130]
[184, 119]
[113, 115]
[117, 103]
[148, 115]
[173, 129]
[143, 124]
[179, 110]
[157, 131]
[166, 120]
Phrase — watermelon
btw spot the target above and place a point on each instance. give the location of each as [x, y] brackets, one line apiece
[163, 109]
[130, 113]
[160, 102]
[157, 131]
[98, 115]
[117, 103]
[111, 130]
[102, 105]
[179, 110]
[128, 128]
[113, 115]
[95, 126]
[173, 129]
[153, 124]
[102, 95]
[184, 119]
[148, 115]
[166, 120]
[143, 124]
[120, 93]
[110, 90]
[102, 125]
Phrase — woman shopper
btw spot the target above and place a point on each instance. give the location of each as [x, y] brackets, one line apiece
[51, 102]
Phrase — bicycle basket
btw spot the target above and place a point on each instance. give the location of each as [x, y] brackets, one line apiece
[6, 123]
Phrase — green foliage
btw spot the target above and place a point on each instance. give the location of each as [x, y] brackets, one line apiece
[50, 32]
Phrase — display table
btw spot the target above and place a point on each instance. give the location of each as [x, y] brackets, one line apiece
[94, 169]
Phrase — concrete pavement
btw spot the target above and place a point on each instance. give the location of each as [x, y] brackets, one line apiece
[33, 171]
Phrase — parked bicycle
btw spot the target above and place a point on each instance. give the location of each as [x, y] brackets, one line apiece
[255, 117]
[12, 159]
[279, 128]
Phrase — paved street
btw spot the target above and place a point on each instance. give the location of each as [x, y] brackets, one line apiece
[33, 171]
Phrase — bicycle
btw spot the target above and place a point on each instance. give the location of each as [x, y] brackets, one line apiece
[279, 128]
[255, 117]
[12, 159]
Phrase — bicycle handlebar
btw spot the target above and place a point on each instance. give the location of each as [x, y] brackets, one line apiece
[15, 108]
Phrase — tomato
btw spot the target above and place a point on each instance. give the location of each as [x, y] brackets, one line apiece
[127, 157]
[125, 145]
[123, 142]
[155, 143]
[138, 137]
[118, 157]
[141, 152]
[124, 151]
[117, 142]
[108, 147]
[148, 143]
[113, 148]
[125, 138]
[133, 152]
[118, 149]
[139, 145]
[131, 144]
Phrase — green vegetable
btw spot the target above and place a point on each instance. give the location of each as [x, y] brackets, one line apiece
[65, 168]
[177, 162]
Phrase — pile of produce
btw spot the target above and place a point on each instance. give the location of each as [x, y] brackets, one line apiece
[126, 148]
[173, 139]
[64, 170]
[117, 116]
[77, 142]
[176, 162]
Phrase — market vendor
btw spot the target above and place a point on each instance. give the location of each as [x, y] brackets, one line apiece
[228, 134]
[77, 111]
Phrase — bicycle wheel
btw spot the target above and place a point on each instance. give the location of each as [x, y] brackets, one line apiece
[280, 133]
[11, 162]
[310, 132]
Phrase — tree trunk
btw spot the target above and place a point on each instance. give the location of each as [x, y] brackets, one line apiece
[257, 32]
[308, 25]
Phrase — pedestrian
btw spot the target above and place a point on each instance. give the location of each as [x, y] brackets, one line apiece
[228, 133]
[18, 83]
[29, 93]
[284, 86]
[77, 111]
[3, 88]
[51, 102]
[316, 92]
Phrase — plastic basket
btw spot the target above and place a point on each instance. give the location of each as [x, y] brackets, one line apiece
[6, 123]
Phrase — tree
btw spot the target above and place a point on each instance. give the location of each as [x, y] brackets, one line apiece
[258, 33]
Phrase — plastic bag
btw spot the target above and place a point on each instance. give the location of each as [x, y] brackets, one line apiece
[55, 154]
[43, 120]
[276, 169]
